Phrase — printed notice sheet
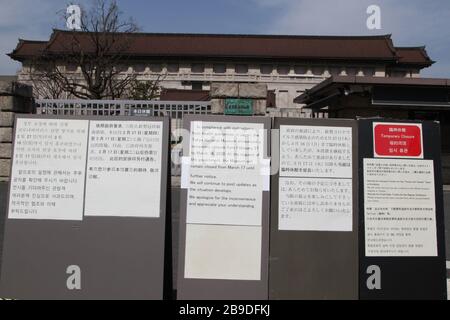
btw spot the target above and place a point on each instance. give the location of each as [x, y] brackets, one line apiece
[124, 169]
[48, 169]
[225, 183]
[315, 185]
[399, 208]
[224, 201]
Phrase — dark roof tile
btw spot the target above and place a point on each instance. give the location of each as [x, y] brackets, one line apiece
[356, 48]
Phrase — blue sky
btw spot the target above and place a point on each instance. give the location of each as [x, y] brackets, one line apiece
[411, 22]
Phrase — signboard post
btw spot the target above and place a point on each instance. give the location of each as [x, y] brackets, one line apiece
[402, 245]
[224, 209]
[314, 220]
[88, 195]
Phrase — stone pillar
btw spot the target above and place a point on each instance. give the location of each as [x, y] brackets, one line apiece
[255, 91]
[14, 98]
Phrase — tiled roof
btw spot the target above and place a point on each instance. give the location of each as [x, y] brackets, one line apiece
[278, 47]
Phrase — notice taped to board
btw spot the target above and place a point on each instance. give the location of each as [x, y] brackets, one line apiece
[224, 211]
[316, 186]
[124, 169]
[225, 179]
[399, 208]
[48, 169]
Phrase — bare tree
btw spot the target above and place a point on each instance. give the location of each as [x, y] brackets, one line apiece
[144, 89]
[45, 87]
[97, 51]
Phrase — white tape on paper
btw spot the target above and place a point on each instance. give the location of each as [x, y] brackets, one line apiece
[265, 173]
[185, 172]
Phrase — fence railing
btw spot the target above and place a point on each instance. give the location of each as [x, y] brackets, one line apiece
[174, 109]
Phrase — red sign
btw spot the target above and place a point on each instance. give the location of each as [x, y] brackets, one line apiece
[397, 140]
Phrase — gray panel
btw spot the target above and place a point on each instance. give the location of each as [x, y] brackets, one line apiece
[197, 289]
[313, 264]
[405, 277]
[447, 221]
[175, 232]
[120, 258]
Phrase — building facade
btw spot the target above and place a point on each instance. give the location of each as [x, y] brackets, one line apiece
[289, 65]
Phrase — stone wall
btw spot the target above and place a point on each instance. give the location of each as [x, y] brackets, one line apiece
[14, 98]
[255, 91]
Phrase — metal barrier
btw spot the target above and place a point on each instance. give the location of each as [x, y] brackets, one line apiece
[174, 109]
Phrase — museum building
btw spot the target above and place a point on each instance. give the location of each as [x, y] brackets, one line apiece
[289, 65]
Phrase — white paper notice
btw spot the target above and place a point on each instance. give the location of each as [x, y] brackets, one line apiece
[124, 169]
[48, 169]
[225, 183]
[315, 184]
[223, 252]
[225, 179]
[315, 151]
[399, 208]
[315, 204]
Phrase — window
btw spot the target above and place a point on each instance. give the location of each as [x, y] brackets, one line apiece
[197, 85]
[71, 68]
[241, 68]
[173, 67]
[122, 68]
[155, 67]
[335, 70]
[317, 71]
[397, 73]
[266, 69]
[300, 69]
[369, 72]
[139, 68]
[197, 68]
[351, 71]
[40, 68]
[283, 69]
[219, 68]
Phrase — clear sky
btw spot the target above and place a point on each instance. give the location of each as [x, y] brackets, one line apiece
[411, 22]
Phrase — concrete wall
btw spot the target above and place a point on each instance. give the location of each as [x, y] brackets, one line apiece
[14, 98]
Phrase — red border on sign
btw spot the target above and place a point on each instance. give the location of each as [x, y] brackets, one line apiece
[397, 140]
